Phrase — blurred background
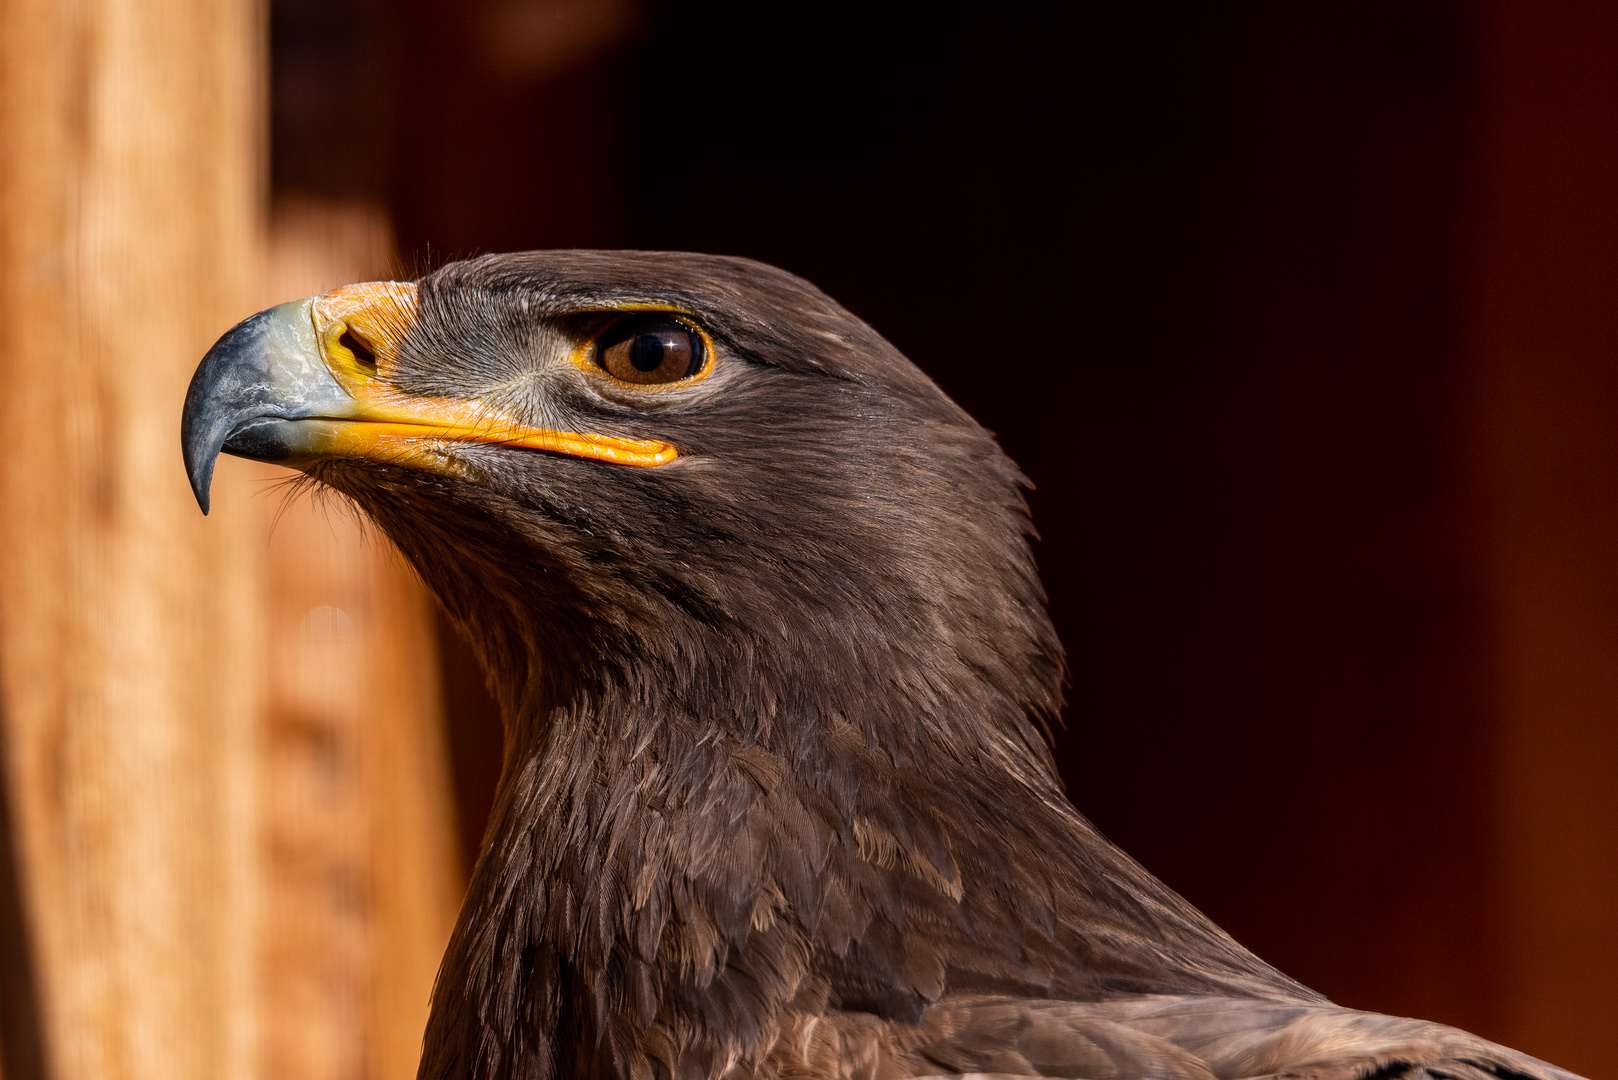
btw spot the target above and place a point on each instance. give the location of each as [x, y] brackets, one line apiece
[1301, 318]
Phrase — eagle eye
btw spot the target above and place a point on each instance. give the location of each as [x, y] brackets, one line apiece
[650, 349]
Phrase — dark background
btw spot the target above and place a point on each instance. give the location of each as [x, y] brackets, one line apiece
[1208, 273]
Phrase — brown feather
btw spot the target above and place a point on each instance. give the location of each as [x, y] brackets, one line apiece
[776, 802]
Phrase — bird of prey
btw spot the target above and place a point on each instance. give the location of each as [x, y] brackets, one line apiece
[758, 605]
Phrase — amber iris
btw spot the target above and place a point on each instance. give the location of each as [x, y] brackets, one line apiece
[650, 349]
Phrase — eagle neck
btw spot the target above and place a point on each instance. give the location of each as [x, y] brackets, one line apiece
[664, 889]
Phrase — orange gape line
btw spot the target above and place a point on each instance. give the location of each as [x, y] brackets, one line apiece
[360, 437]
[378, 314]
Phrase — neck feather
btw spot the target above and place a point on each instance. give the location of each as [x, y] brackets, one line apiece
[672, 891]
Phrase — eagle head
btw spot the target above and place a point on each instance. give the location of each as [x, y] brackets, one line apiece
[696, 477]
[758, 603]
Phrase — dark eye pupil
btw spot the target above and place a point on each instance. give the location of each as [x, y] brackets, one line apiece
[646, 352]
[649, 349]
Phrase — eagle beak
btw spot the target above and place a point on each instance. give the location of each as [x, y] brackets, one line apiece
[310, 381]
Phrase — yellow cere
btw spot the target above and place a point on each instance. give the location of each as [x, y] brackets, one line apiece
[359, 328]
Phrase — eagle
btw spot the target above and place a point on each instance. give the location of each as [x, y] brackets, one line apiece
[777, 676]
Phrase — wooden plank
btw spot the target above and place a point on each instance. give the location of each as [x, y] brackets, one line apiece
[1546, 331]
[129, 651]
[361, 876]
[231, 843]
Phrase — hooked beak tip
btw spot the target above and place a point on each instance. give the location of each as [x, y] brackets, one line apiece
[242, 381]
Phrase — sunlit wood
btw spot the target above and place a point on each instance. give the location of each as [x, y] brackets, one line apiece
[360, 875]
[233, 842]
[130, 650]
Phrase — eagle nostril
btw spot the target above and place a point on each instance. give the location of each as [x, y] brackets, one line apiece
[362, 352]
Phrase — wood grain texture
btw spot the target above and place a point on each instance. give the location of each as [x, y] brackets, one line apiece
[231, 836]
[129, 654]
[1546, 328]
[361, 876]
